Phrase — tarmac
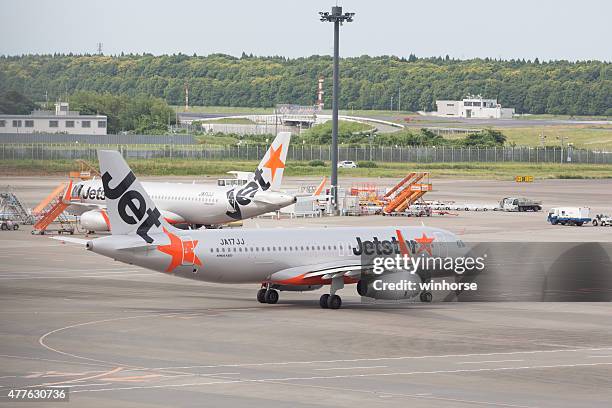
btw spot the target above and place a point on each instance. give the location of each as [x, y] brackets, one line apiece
[119, 335]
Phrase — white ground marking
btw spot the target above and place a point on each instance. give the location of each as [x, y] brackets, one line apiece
[349, 368]
[422, 395]
[41, 339]
[489, 361]
[51, 360]
[332, 377]
[501, 353]
[78, 385]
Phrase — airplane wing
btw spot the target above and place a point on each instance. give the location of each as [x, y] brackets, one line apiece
[79, 208]
[127, 246]
[316, 273]
[71, 240]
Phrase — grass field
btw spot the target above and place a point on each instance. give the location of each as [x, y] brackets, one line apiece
[564, 117]
[232, 121]
[163, 167]
[582, 136]
[592, 137]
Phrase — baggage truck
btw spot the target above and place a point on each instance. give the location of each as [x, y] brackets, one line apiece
[569, 215]
[519, 204]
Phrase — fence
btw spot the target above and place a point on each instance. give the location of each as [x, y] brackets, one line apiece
[307, 153]
[21, 138]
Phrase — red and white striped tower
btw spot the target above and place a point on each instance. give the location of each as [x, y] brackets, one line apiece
[186, 96]
[320, 94]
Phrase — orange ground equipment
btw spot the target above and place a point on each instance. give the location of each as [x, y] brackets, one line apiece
[368, 193]
[52, 207]
[406, 192]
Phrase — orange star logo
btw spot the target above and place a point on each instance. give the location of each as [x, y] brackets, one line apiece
[274, 162]
[180, 251]
[424, 244]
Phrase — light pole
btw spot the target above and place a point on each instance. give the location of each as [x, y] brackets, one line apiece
[337, 17]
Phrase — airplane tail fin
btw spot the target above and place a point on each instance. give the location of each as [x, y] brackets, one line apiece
[320, 188]
[272, 165]
[129, 207]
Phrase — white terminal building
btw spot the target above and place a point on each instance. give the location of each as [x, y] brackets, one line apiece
[62, 120]
[473, 107]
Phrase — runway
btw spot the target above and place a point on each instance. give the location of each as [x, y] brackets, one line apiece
[119, 335]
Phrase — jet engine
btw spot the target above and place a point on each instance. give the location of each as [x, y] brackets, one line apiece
[390, 286]
[95, 220]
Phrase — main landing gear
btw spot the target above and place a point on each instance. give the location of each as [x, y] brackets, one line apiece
[267, 295]
[327, 301]
[331, 300]
[426, 297]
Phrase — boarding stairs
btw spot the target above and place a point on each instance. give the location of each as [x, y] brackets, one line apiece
[410, 189]
[11, 208]
[51, 210]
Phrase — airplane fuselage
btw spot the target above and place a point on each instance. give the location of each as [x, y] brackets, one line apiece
[194, 203]
[253, 256]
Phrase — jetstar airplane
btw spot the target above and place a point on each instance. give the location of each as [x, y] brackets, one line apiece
[197, 204]
[278, 259]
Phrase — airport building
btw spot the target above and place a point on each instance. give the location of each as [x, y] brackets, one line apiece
[62, 120]
[473, 107]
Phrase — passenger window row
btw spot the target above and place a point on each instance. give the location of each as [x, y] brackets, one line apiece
[288, 248]
[184, 198]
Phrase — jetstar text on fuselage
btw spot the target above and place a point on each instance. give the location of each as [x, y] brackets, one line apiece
[88, 193]
[382, 247]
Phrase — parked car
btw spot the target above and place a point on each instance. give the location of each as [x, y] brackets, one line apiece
[8, 225]
[347, 164]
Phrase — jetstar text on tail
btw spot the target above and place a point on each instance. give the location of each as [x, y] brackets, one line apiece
[243, 195]
[135, 202]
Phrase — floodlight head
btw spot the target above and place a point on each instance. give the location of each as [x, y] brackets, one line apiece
[336, 16]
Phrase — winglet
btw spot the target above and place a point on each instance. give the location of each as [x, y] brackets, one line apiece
[319, 189]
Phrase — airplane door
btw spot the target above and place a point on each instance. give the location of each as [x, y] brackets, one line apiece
[440, 245]
[189, 254]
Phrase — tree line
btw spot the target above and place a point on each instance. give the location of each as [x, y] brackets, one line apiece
[554, 87]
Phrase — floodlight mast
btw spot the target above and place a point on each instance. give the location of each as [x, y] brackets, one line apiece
[338, 18]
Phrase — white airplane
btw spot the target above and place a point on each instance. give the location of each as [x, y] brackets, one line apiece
[197, 204]
[278, 259]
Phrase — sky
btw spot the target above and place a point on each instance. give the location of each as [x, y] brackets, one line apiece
[547, 29]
